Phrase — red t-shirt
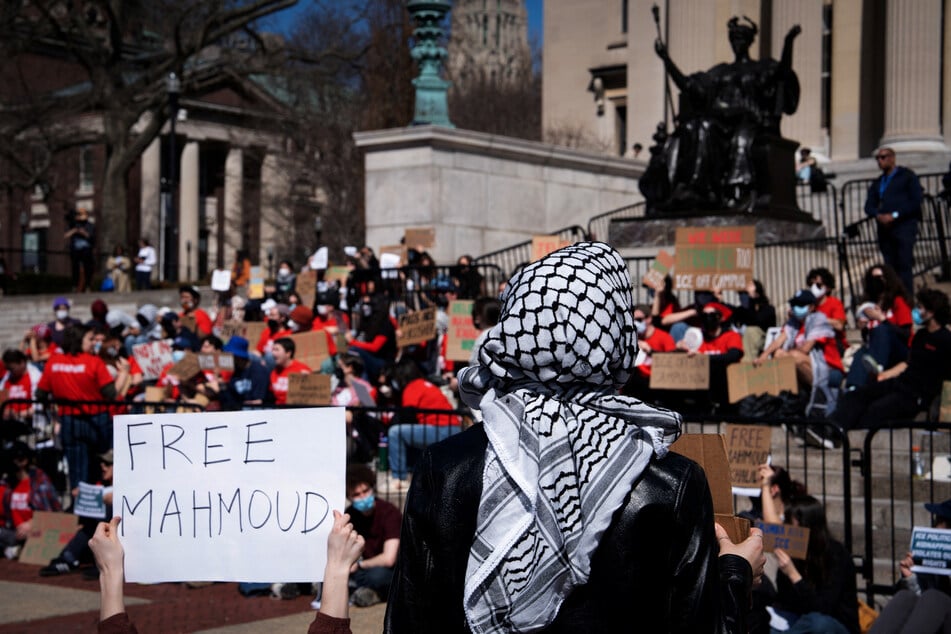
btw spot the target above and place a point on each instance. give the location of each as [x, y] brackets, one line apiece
[322, 323]
[830, 349]
[202, 322]
[659, 341]
[20, 510]
[76, 376]
[21, 388]
[424, 395]
[900, 313]
[832, 308]
[728, 340]
[279, 379]
[267, 339]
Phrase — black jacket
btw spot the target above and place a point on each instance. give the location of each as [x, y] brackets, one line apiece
[655, 569]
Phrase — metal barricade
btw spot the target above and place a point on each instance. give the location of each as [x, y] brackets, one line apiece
[511, 258]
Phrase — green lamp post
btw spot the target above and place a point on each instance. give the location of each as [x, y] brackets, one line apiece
[431, 104]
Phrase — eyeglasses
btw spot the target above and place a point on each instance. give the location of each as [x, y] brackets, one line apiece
[882, 157]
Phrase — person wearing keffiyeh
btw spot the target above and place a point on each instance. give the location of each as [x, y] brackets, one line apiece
[564, 510]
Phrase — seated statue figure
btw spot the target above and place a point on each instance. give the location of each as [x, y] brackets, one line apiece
[724, 113]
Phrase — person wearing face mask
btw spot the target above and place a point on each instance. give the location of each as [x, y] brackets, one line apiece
[190, 298]
[285, 282]
[886, 322]
[809, 339]
[375, 340]
[650, 339]
[902, 391]
[723, 344]
[363, 427]
[62, 320]
[19, 382]
[249, 383]
[378, 522]
[821, 282]
[754, 316]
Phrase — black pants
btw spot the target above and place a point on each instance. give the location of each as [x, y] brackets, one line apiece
[873, 405]
[82, 260]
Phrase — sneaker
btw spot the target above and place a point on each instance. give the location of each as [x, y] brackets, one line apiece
[289, 591]
[315, 604]
[817, 438]
[58, 567]
[11, 552]
[873, 367]
[364, 597]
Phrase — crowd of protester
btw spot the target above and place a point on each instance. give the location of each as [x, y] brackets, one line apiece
[407, 398]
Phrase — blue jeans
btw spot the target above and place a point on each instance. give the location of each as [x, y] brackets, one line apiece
[886, 345]
[814, 623]
[378, 579]
[84, 437]
[414, 435]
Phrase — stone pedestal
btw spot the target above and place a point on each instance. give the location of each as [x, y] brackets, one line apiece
[658, 232]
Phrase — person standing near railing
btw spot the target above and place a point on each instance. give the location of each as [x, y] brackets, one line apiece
[894, 200]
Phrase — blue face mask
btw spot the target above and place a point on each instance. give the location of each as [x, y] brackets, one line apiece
[916, 316]
[364, 504]
[178, 355]
[800, 312]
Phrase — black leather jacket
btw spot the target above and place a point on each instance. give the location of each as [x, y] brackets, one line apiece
[655, 569]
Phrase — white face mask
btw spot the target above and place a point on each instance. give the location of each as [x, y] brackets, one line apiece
[284, 272]
[62, 315]
[293, 326]
[322, 310]
[640, 327]
[818, 291]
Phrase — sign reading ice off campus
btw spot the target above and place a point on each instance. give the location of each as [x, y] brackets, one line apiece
[713, 257]
[228, 496]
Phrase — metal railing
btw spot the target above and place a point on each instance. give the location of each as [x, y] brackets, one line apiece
[512, 258]
[598, 226]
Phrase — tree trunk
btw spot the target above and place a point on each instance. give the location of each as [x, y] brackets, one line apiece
[112, 221]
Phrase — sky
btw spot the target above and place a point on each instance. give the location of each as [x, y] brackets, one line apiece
[285, 20]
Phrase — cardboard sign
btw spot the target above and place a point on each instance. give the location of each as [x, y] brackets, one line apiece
[91, 501]
[392, 257]
[677, 371]
[207, 486]
[714, 257]
[424, 237]
[252, 332]
[318, 260]
[221, 280]
[462, 333]
[189, 321]
[747, 447]
[49, 534]
[306, 286]
[153, 357]
[256, 285]
[187, 368]
[417, 327]
[338, 274]
[930, 550]
[709, 451]
[216, 362]
[772, 377]
[543, 245]
[793, 539]
[308, 389]
[944, 414]
[660, 267]
[311, 348]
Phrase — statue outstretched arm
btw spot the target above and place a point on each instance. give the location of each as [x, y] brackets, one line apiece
[785, 62]
[679, 78]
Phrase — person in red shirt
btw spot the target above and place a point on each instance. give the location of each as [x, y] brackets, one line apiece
[650, 339]
[190, 298]
[19, 381]
[284, 365]
[76, 374]
[27, 489]
[723, 344]
[423, 428]
[821, 282]
[886, 323]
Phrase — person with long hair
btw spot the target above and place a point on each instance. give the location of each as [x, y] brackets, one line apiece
[375, 340]
[885, 320]
[816, 594]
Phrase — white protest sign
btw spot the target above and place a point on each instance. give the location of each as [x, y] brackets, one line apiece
[153, 357]
[228, 496]
[90, 502]
[931, 550]
[318, 260]
[221, 280]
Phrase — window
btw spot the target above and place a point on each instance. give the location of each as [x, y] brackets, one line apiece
[624, 8]
[86, 169]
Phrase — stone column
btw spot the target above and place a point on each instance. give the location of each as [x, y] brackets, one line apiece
[150, 191]
[805, 126]
[913, 76]
[947, 73]
[188, 210]
[693, 41]
[645, 75]
[845, 123]
[233, 204]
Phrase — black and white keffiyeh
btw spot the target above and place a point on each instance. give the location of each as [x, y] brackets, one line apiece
[564, 449]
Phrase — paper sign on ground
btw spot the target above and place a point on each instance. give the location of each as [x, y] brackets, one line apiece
[306, 286]
[256, 283]
[221, 280]
[308, 389]
[311, 348]
[747, 447]
[545, 244]
[944, 415]
[660, 267]
[49, 534]
[228, 496]
[424, 237]
[772, 377]
[417, 327]
[90, 501]
[153, 357]
[677, 371]
[709, 451]
[793, 539]
[462, 333]
[714, 257]
[931, 550]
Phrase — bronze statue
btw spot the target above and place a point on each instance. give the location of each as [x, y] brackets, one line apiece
[726, 115]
